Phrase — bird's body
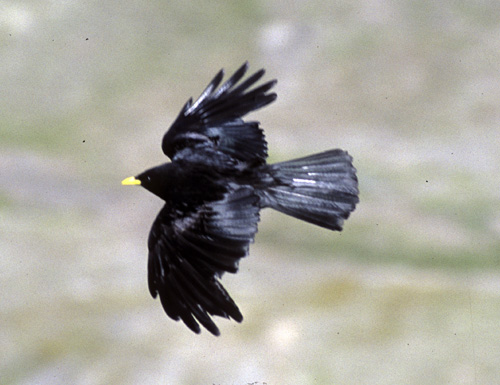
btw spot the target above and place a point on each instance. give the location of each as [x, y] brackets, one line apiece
[214, 188]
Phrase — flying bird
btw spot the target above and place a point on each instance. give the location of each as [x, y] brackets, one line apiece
[214, 188]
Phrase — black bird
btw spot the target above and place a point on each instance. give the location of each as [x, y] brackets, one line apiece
[215, 186]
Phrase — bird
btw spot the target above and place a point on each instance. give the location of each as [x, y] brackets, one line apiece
[214, 187]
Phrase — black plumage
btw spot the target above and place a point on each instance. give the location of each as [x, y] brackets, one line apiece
[214, 188]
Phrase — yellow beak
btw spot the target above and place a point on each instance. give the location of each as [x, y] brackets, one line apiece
[130, 181]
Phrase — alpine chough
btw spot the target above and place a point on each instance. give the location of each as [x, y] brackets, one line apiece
[214, 188]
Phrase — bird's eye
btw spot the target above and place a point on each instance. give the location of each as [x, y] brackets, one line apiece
[179, 146]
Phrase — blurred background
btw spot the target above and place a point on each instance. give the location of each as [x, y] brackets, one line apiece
[408, 293]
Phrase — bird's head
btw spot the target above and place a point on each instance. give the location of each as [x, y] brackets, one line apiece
[154, 180]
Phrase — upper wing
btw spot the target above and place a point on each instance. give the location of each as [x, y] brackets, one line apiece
[214, 119]
[188, 252]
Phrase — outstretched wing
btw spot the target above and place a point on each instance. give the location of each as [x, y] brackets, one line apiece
[214, 119]
[188, 252]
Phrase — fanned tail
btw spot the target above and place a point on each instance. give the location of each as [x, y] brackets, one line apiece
[321, 189]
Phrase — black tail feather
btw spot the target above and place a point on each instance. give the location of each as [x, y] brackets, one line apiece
[321, 189]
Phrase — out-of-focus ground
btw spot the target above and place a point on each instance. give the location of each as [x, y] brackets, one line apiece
[408, 293]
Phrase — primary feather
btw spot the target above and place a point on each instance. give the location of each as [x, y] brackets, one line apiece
[214, 119]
